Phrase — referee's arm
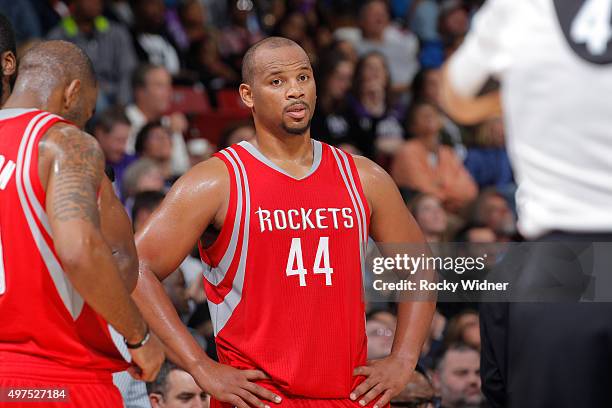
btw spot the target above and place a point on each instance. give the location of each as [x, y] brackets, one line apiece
[483, 54]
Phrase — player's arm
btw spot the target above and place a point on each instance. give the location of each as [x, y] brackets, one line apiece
[391, 222]
[482, 55]
[194, 201]
[116, 229]
[74, 175]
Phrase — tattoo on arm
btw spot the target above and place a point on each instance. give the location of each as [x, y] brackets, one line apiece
[78, 170]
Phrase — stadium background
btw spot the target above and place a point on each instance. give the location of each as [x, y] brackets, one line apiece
[168, 74]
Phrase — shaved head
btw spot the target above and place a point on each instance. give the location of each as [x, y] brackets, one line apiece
[249, 60]
[51, 63]
[57, 76]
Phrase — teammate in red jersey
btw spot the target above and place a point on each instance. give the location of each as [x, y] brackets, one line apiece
[58, 278]
[284, 277]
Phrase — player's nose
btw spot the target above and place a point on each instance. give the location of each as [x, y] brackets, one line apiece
[295, 91]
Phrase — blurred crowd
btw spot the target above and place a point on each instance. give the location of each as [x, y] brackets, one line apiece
[168, 74]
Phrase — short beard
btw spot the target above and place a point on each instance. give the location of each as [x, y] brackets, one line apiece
[296, 131]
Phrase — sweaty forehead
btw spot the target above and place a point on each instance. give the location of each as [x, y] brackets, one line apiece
[282, 59]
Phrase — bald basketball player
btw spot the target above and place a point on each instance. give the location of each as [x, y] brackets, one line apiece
[54, 317]
[283, 279]
[8, 61]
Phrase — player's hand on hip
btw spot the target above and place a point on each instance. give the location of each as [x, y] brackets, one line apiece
[385, 378]
[147, 360]
[236, 387]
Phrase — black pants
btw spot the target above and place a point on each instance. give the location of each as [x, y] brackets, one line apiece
[548, 354]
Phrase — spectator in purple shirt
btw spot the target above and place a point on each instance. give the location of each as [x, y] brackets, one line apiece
[111, 129]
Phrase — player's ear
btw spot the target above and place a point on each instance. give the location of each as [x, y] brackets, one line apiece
[9, 64]
[246, 95]
[71, 93]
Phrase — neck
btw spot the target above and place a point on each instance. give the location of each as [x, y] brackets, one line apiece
[429, 237]
[22, 100]
[431, 142]
[373, 37]
[148, 113]
[86, 25]
[283, 146]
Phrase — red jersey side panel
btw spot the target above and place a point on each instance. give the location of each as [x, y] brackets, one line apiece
[40, 312]
[286, 272]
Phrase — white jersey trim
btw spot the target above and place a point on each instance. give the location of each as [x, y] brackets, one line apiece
[361, 223]
[215, 275]
[221, 313]
[316, 160]
[70, 298]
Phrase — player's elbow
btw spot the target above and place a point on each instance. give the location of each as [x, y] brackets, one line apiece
[78, 253]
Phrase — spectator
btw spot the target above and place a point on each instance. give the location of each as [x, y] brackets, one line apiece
[204, 59]
[424, 165]
[236, 133]
[154, 142]
[345, 48]
[424, 20]
[376, 33]
[426, 87]
[457, 377]
[488, 161]
[187, 23]
[112, 129]
[492, 211]
[418, 393]
[107, 44]
[142, 175]
[295, 27]
[477, 234]
[145, 203]
[24, 19]
[429, 213]
[377, 124]
[152, 97]
[464, 328]
[242, 32]
[380, 331]
[330, 122]
[152, 41]
[453, 22]
[174, 388]
[434, 344]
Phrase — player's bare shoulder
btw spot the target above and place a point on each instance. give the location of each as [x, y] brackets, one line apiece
[207, 177]
[66, 142]
[375, 181]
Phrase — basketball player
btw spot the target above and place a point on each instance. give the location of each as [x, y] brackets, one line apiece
[283, 279]
[8, 61]
[554, 61]
[58, 278]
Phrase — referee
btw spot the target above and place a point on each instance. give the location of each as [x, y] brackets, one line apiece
[553, 59]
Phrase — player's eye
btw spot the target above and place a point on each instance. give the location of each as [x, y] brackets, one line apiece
[303, 77]
[276, 82]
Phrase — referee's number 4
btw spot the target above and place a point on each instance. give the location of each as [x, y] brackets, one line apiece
[295, 262]
[591, 26]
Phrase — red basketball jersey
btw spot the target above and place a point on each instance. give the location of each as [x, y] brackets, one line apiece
[284, 278]
[41, 314]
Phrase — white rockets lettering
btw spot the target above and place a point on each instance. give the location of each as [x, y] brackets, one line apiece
[302, 219]
[6, 171]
